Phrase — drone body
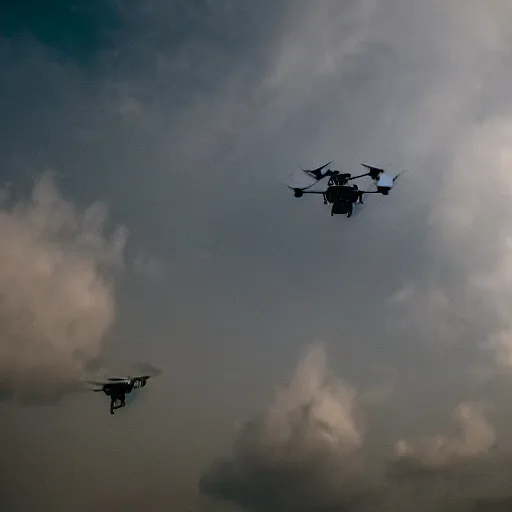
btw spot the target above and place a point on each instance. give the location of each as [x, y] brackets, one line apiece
[117, 389]
[385, 184]
[341, 196]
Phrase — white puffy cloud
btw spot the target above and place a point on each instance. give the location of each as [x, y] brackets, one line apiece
[56, 292]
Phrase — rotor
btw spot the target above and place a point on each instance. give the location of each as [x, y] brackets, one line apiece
[297, 192]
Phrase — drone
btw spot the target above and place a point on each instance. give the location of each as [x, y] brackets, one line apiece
[117, 388]
[341, 195]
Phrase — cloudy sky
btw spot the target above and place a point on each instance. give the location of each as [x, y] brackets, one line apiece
[308, 362]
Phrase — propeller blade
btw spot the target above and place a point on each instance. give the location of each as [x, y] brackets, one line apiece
[373, 168]
[399, 174]
[320, 168]
[317, 170]
[375, 172]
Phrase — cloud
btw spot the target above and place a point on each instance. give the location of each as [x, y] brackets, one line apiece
[308, 452]
[429, 311]
[57, 269]
[302, 453]
[477, 436]
[466, 296]
[304, 52]
[448, 472]
[471, 222]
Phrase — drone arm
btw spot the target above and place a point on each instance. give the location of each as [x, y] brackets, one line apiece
[373, 168]
[383, 190]
[316, 178]
[360, 176]
[314, 173]
[299, 192]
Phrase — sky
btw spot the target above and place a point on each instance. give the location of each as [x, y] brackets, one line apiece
[307, 362]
